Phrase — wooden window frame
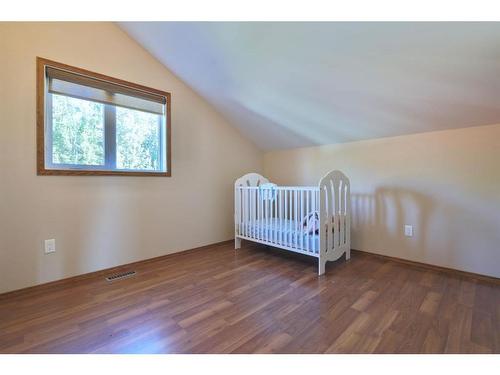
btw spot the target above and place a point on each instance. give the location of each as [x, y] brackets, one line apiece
[41, 63]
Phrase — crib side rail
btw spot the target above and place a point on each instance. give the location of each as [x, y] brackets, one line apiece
[281, 216]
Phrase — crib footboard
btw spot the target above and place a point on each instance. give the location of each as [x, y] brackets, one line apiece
[335, 218]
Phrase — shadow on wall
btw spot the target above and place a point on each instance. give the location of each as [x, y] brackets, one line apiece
[378, 221]
[445, 232]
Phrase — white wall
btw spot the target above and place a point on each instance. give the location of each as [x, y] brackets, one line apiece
[446, 184]
[99, 222]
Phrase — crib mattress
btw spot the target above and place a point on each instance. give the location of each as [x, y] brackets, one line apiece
[285, 235]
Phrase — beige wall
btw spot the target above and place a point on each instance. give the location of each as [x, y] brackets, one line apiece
[100, 222]
[446, 184]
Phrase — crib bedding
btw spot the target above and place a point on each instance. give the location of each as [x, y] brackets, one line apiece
[282, 232]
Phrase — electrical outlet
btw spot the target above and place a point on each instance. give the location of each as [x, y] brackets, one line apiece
[50, 246]
[409, 230]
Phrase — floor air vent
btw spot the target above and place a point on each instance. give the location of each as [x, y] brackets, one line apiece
[120, 276]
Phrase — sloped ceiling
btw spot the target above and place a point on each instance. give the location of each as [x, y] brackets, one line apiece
[300, 84]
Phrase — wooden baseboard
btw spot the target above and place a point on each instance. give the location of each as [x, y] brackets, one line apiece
[453, 271]
[123, 267]
[115, 269]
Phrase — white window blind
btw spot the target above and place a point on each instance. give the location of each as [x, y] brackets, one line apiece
[88, 88]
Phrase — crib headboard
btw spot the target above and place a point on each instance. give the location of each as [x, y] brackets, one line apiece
[251, 179]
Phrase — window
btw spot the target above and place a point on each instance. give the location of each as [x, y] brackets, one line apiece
[91, 124]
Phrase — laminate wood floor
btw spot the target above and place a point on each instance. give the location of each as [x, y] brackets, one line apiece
[256, 300]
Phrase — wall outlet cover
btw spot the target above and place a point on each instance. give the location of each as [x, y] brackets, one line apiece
[50, 246]
[409, 230]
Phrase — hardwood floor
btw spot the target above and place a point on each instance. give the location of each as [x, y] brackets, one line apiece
[256, 300]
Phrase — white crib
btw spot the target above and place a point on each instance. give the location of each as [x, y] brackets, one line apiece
[285, 216]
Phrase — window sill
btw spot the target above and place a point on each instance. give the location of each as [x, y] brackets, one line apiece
[70, 172]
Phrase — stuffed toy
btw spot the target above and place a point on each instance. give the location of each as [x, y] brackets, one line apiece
[310, 223]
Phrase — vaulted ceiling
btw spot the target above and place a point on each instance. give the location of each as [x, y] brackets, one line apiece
[300, 84]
